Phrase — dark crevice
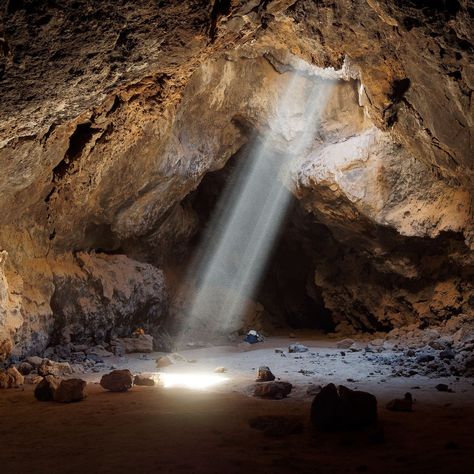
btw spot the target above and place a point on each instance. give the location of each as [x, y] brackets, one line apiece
[220, 8]
[77, 142]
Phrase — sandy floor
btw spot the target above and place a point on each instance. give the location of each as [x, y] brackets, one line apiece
[152, 429]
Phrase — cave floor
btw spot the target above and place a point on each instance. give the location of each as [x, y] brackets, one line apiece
[153, 429]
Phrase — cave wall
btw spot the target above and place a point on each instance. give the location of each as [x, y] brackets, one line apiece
[112, 113]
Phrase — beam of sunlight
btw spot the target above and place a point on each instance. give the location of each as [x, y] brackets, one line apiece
[192, 380]
[240, 237]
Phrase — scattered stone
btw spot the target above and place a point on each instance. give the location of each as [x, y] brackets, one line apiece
[264, 374]
[442, 387]
[276, 426]
[117, 380]
[345, 344]
[25, 368]
[424, 358]
[342, 408]
[274, 390]
[440, 344]
[447, 354]
[11, 378]
[297, 348]
[44, 391]
[144, 380]
[279, 351]
[163, 361]
[70, 390]
[220, 370]
[306, 372]
[58, 369]
[401, 404]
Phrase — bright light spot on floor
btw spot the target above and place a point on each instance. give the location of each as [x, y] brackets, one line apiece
[195, 381]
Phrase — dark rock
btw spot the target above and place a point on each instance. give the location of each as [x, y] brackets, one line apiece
[442, 387]
[424, 358]
[265, 374]
[274, 390]
[25, 368]
[342, 408]
[447, 354]
[70, 390]
[45, 390]
[144, 380]
[117, 380]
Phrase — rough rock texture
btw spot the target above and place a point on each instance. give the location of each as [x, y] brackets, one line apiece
[70, 390]
[273, 390]
[117, 380]
[44, 391]
[110, 118]
[11, 378]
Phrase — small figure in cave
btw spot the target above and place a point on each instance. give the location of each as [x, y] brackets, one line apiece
[253, 337]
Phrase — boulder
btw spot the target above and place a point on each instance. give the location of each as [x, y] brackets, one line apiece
[220, 370]
[11, 378]
[44, 391]
[25, 368]
[274, 390]
[138, 343]
[144, 380]
[70, 390]
[265, 374]
[58, 369]
[342, 408]
[117, 380]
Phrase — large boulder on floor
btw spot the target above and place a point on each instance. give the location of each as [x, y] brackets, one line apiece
[117, 380]
[11, 378]
[57, 369]
[265, 374]
[70, 390]
[44, 391]
[274, 390]
[343, 408]
[129, 345]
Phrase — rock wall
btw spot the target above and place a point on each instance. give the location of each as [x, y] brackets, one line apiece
[111, 117]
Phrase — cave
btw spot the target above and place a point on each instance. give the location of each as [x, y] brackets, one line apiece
[236, 235]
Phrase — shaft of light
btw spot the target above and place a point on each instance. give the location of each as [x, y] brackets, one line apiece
[242, 232]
